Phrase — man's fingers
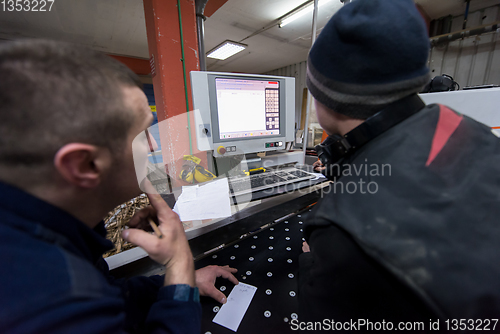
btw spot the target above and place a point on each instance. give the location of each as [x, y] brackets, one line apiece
[227, 275]
[231, 270]
[139, 220]
[305, 247]
[156, 201]
[140, 238]
[211, 291]
[161, 207]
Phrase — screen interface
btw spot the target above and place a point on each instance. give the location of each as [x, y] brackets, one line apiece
[247, 108]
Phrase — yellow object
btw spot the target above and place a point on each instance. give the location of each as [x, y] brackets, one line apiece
[153, 108]
[202, 175]
[258, 169]
[255, 171]
[186, 175]
[192, 158]
[192, 171]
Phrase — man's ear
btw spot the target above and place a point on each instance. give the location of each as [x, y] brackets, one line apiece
[82, 165]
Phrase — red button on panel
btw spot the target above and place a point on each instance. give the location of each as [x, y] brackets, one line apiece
[221, 150]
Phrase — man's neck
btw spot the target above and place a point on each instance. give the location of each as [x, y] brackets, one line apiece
[347, 125]
[86, 208]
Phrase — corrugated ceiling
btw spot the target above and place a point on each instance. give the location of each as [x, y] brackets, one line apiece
[118, 27]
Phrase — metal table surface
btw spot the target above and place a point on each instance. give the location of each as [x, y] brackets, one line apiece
[264, 243]
[213, 237]
[268, 260]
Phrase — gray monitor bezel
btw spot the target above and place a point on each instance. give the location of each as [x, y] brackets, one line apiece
[214, 110]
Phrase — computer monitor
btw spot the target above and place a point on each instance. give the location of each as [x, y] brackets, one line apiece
[242, 113]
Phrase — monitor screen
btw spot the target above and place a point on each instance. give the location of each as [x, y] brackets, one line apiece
[239, 113]
[247, 108]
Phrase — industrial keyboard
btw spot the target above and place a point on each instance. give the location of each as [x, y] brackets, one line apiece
[246, 184]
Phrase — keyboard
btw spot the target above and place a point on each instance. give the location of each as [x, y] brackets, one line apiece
[240, 185]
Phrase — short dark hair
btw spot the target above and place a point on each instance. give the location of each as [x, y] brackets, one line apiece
[54, 93]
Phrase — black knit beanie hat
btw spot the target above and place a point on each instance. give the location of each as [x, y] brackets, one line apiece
[371, 53]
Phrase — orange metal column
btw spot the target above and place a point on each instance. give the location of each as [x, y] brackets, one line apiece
[137, 65]
[164, 41]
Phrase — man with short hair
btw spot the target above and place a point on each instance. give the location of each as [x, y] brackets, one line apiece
[419, 242]
[69, 116]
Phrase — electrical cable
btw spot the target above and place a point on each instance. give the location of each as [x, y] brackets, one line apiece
[185, 80]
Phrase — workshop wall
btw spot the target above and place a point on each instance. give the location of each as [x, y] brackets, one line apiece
[298, 71]
[472, 61]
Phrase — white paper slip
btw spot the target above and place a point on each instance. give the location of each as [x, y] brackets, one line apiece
[233, 311]
[206, 201]
[189, 192]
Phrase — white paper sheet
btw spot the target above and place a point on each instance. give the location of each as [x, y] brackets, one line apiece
[232, 312]
[207, 201]
[189, 192]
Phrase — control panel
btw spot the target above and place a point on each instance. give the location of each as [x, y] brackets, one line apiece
[274, 144]
[222, 150]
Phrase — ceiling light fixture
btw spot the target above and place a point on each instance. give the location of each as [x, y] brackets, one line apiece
[226, 49]
[301, 12]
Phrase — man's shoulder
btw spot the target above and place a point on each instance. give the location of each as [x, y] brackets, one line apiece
[41, 275]
[419, 199]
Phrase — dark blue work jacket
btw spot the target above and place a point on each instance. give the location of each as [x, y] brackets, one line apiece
[53, 278]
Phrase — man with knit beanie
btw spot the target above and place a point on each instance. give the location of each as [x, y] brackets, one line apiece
[420, 241]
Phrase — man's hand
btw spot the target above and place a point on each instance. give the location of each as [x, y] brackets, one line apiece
[305, 247]
[172, 250]
[205, 280]
[318, 166]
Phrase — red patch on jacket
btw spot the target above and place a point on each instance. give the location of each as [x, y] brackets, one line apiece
[448, 122]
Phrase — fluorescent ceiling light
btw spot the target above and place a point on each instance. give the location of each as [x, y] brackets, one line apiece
[226, 50]
[301, 13]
